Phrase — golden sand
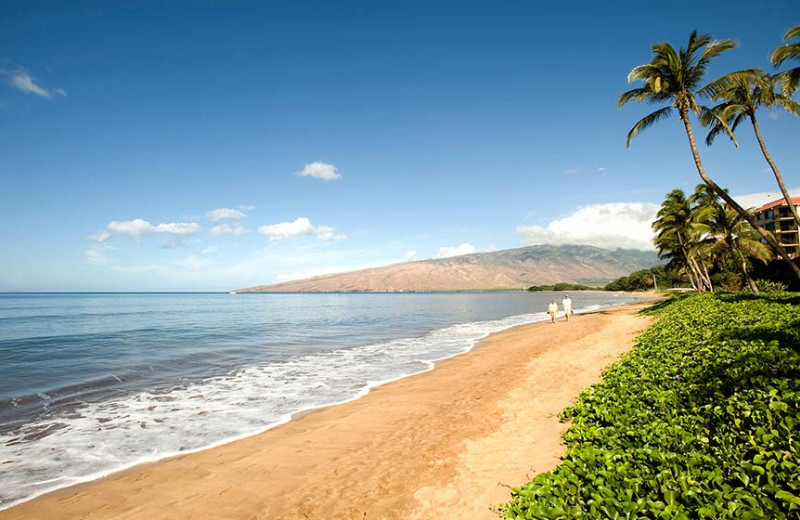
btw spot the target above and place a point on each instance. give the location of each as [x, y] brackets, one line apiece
[443, 444]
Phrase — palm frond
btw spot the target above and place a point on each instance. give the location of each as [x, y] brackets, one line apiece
[714, 49]
[785, 52]
[788, 104]
[736, 120]
[642, 95]
[648, 121]
[716, 88]
[717, 118]
[789, 80]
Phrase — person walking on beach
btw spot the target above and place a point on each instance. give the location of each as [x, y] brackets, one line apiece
[566, 304]
[552, 309]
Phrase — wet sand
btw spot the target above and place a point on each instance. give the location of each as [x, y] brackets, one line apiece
[443, 444]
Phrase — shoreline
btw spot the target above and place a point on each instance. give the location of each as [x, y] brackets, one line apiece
[42, 506]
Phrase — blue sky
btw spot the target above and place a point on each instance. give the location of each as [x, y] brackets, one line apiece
[214, 145]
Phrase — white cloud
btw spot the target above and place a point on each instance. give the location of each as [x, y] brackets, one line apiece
[245, 207]
[21, 80]
[99, 237]
[209, 250]
[464, 249]
[619, 224]
[179, 228]
[410, 255]
[571, 170]
[755, 200]
[137, 228]
[320, 170]
[223, 213]
[300, 227]
[227, 229]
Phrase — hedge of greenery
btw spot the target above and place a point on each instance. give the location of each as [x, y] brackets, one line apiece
[700, 420]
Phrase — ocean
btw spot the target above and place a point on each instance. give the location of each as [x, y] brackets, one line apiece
[94, 383]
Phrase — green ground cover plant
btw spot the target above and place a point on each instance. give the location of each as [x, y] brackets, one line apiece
[699, 420]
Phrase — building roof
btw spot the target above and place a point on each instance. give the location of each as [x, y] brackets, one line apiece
[776, 203]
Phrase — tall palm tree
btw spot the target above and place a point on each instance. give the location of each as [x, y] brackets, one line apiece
[789, 51]
[729, 233]
[675, 77]
[673, 227]
[742, 97]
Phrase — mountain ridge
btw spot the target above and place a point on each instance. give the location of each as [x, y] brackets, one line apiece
[508, 269]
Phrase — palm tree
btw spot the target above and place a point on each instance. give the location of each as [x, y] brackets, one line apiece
[701, 201]
[674, 236]
[742, 97]
[729, 233]
[675, 77]
[789, 51]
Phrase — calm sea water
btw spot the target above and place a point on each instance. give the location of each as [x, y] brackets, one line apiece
[93, 383]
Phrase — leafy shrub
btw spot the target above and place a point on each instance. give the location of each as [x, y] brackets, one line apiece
[770, 286]
[699, 420]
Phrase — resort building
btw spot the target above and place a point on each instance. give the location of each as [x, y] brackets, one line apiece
[775, 217]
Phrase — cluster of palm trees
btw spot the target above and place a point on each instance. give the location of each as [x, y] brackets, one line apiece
[701, 234]
[675, 77]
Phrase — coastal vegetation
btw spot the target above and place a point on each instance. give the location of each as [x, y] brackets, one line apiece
[708, 240]
[699, 420]
[559, 287]
[654, 278]
[676, 77]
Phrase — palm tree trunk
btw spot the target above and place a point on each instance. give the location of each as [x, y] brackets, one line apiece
[690, 272]
[698, 274]
[766, 235]
[707, 277]
[750, 282]
[778, 176]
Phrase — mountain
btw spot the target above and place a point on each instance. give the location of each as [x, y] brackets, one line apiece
[508, 269]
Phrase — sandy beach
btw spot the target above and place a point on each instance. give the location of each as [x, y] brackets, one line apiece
[443, 444]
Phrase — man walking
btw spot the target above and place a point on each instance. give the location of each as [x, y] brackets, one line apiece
[566, 304]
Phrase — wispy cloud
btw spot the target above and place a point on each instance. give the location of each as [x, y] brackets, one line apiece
[99, 237]
[410, 255]
[95, 257]
[300, 227]
[620, 224]
[228, 229]
[21, 80]
[224, 213]
[320, 170]
[464, 249]
[137, 228]
[571, 170]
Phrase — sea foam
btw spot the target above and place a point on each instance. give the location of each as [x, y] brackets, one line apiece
[86, 441]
